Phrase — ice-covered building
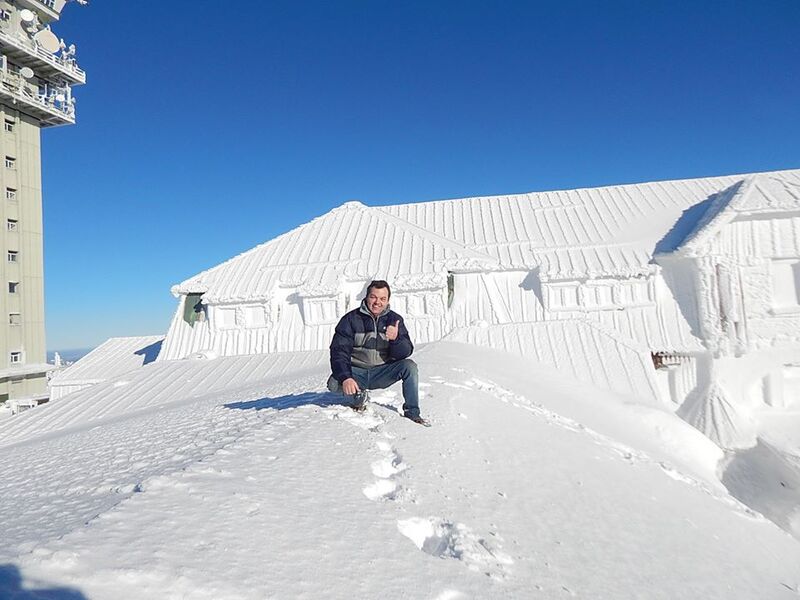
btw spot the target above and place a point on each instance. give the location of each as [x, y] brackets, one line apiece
[682, 292]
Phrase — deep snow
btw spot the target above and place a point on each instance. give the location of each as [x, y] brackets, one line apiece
[528, 485]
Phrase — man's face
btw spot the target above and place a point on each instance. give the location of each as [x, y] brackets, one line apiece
[377, 299]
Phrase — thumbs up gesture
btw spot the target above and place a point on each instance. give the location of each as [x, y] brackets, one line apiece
[392, 331]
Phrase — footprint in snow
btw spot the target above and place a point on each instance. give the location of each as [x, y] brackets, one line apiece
[368, 419]
[386, 469]
[445, 539]
[388, 466]
[382, 489]
[387, 398]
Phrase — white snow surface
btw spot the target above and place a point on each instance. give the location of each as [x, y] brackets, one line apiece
[240, 478]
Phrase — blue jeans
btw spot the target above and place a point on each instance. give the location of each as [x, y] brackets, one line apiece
[382, 376]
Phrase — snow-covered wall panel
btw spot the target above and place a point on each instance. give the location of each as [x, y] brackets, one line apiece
[777, 330]
[183, 338]
[683, 379]
[579, 349]
[772, 237]
[598, 294]
[59, 391]
[497, 297]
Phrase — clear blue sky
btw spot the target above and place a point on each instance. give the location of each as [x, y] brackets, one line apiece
[209, 127]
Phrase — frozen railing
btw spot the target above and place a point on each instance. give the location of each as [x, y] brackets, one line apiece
[57, 104]
[66, 65]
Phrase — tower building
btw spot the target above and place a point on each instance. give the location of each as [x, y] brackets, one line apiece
[37, 72]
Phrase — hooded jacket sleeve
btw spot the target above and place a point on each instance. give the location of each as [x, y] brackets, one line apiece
[342, 348]
[401, 347]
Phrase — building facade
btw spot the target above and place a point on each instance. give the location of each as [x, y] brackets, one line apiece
[37, 72]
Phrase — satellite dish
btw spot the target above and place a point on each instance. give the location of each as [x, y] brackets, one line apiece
[48, 41]
[26, 15]
[60, 97]
[26, 72]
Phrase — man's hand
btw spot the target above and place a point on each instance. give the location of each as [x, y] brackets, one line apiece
[392, 331]
[350, 387]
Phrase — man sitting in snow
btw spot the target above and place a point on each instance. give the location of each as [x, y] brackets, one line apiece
[370, 350]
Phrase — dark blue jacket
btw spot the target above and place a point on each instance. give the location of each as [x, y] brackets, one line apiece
[360, 340]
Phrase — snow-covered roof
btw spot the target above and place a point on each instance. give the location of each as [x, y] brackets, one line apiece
[757, 195]
[605, 231]
[352, 242]
[113, 357]
[158, 384]
[624, 368]
[598, 232]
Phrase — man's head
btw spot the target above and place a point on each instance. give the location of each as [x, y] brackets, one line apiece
[378, 294]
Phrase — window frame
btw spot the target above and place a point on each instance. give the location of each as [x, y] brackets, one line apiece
[785, 285]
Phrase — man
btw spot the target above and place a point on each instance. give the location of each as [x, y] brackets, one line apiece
[370, 350]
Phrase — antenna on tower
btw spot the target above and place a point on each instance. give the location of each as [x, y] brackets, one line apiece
[48, 41]
[26, 72]
[27, 15]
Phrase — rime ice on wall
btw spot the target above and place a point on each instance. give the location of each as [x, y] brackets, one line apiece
[741, 258]
[682, 268]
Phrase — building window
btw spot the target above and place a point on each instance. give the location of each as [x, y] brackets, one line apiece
[562, 296]
[11, 162]
[15, 358]
[785, 283]
[193, 309]
[451, 289]
[11, 194]
[13, 287]
[8, 126]
[225, 317]
[14, 319]
[255, 316]
[13, 255]
[11, 224]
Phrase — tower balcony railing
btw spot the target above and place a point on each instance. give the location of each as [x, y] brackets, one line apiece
[56, 108]
[65, 65]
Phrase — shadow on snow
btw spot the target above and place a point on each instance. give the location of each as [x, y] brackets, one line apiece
[322, 399]
[11, 588]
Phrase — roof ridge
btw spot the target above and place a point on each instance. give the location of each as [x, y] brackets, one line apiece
[512, 196]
